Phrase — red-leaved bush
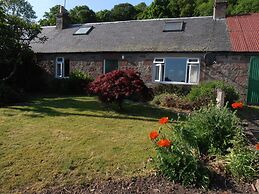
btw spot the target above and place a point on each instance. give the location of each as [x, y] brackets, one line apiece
[118, 85]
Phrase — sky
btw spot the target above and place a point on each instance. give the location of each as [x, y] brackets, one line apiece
[41, 6]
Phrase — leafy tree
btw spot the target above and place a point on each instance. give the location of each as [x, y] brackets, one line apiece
[140, 8]
[123, 11]
[49, 18]
[82, 14]
[20, 8]
[157, 9]
[15, 37]
[104, 16]
[204, 8]
[244, 6]
[181, 8]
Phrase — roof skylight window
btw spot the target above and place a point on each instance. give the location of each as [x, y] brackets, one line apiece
[84, 30]
[173, 26]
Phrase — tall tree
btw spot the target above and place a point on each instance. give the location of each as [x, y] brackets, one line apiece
[104, 16]
[15, 37]
[49, 18]
[19, 8]
[140, 8]
[245, 6]
[123, 11]
[82, 14]
[204, 8]
[157, 9]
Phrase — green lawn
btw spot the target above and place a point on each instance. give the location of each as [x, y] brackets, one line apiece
[72, 140]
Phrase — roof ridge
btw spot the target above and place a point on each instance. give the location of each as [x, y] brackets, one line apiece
[145, 20]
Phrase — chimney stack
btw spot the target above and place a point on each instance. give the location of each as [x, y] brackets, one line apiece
[62, 20]
[220, 8]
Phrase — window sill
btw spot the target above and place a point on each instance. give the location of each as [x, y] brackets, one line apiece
[61, 77]
[176, 83]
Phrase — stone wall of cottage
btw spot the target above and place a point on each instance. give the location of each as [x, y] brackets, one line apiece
[231, 68]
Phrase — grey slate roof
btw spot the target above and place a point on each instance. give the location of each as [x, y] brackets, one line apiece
[200, 34]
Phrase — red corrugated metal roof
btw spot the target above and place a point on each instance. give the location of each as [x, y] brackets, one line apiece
[244, 32]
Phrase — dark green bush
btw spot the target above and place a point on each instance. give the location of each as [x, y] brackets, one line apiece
[9, 95]
[179, 90]
[76, 84]
[208, 90]
[215, 128]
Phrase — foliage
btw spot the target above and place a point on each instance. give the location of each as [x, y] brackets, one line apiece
[181, 160]
[82, 14]
[243, 163]
[140, 8]
[179, 90]
[19, 8]
[104, 16]
[208, 89]
[244, 7]
[77, 83]
[123, 11]
[183, 103]
[186, 155]
[49, 18]
[29, 76]
[15, 37]
[9, 95]
[157, 9]
[215, 129]
[118, 85]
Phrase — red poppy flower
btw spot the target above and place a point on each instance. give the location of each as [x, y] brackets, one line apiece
[164, 143]
[237, 105]
[163, 120]
[153, 135]
[257, 146]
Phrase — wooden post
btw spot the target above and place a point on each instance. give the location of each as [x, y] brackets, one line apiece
[220, 98]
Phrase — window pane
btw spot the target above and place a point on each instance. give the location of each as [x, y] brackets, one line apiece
[111, 65]
[173, 26]
[194, 73]
[59, 69]
[175, 69]
[162, 72]
[157, 68]
[66, 71]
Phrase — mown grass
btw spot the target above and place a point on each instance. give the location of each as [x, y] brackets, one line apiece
[72, 140]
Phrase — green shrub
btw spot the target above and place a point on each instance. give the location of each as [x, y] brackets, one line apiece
[243, 164]
[183, 150]
[180, 161]
[179, 90]
[9, 95]
[208, 90]
[77, 83]
[215, 128]
[174, 101]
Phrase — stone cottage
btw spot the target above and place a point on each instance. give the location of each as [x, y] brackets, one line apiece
[170, 51]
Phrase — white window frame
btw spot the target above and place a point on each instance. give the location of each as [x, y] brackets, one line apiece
[159, 72]
[62, 66]
[190, 62]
